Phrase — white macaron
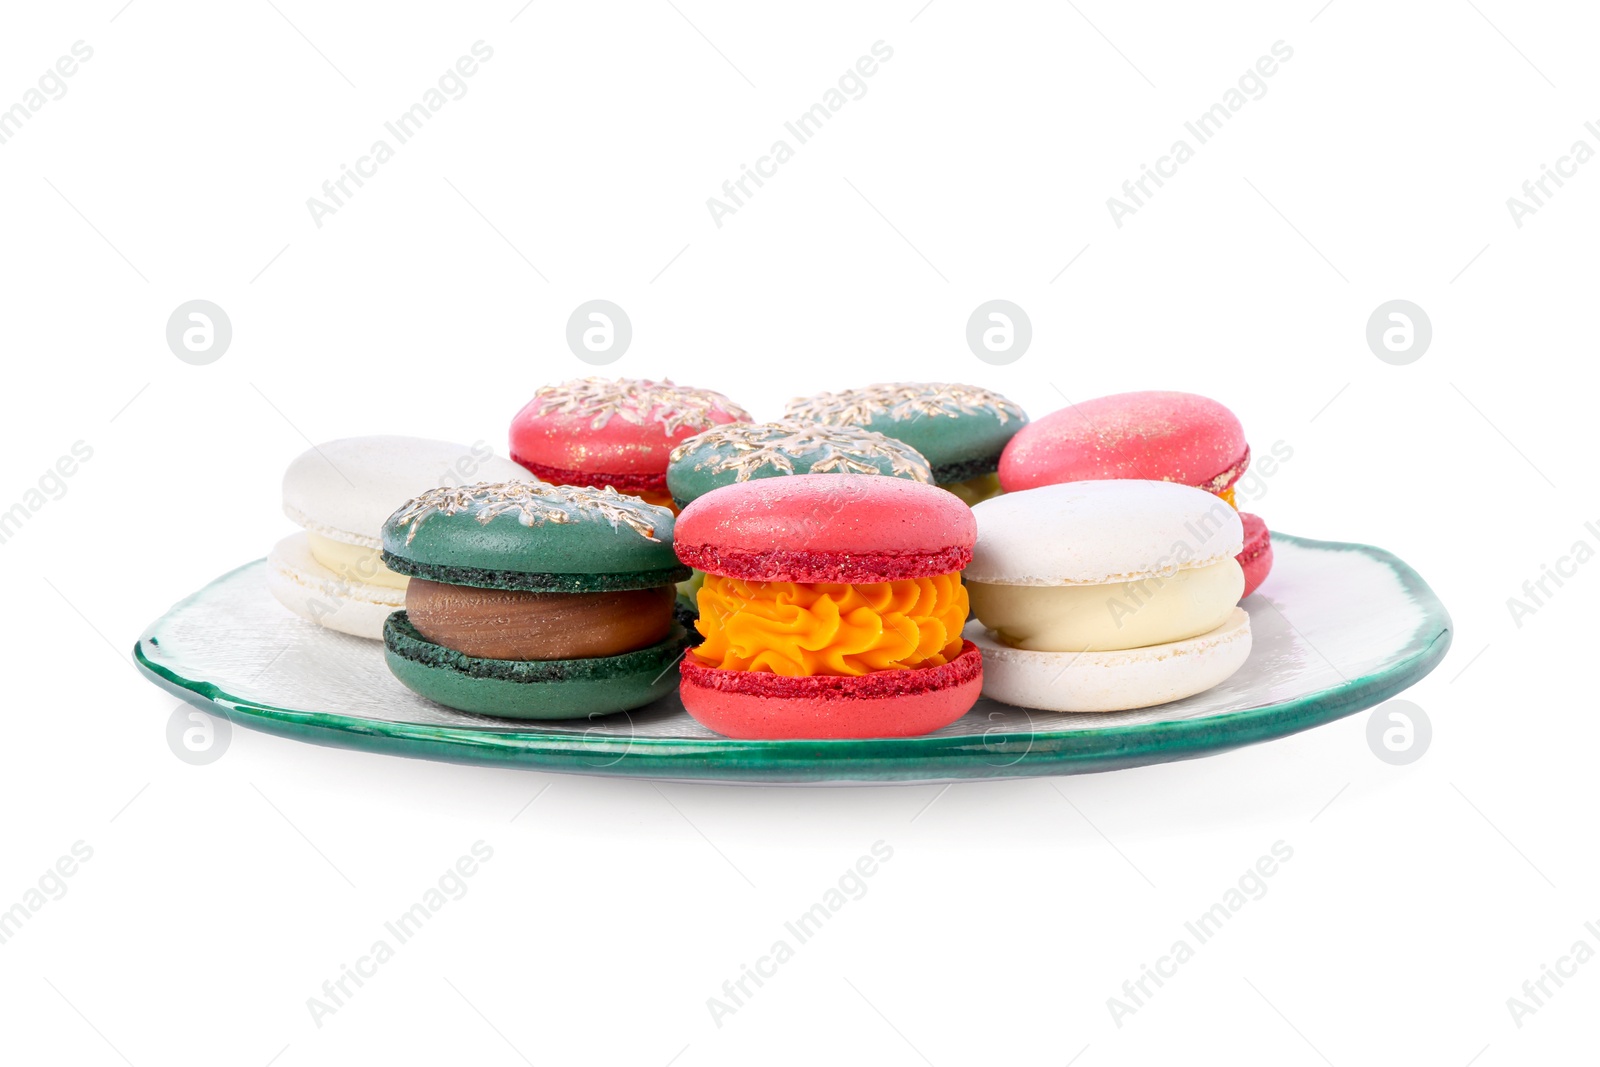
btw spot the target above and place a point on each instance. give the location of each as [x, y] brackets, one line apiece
[341, 492]
[1106, 596]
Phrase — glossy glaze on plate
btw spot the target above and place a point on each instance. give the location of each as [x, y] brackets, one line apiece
[1338, 628]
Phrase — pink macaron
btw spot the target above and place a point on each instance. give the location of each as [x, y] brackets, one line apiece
[1256, 557]
[619, 433]
[1159, 436]
[832, 608]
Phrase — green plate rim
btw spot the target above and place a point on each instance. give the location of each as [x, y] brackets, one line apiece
[1009, 754]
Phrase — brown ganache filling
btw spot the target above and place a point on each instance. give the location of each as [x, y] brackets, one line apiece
[518, 625]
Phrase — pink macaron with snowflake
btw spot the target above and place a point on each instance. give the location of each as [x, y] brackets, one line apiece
[832, 608]
[620, 433]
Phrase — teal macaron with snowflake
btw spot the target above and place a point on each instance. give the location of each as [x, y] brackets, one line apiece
[740, 452]
[960, 429]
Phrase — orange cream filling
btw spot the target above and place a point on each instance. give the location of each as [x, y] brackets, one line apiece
[796, 629]
[1227, 494]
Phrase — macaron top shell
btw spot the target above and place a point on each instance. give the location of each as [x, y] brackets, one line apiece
[624, 428]
[960, 429]
[1164, 436]
[741, 451]
[1094, 533]
[488, 534]
[345, 489]
[826, 528]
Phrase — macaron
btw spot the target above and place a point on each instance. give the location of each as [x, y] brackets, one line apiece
[600, 432]
[832, 608]
[1106, 595]
[741, 451]
[1256, 557]
[341, 492]
[532, 601]
[1159, 435]
[961, 429]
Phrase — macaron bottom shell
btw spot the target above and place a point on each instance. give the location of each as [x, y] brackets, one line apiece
[760, 706]
[1112, 681]
[531, 689]
[301, 583]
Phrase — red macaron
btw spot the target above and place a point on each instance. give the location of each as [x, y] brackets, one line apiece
[832, 608]
[1156, 435]
[600, 432]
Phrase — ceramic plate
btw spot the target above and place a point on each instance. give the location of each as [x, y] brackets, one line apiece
[1337, 627]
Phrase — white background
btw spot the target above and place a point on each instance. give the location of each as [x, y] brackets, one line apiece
[978, 164]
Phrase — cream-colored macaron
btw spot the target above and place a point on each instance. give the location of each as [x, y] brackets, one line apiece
[1106, 596]
[341, 492]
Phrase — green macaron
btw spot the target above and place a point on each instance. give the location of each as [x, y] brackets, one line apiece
[740, 452]
[961, 429]
[534, 601]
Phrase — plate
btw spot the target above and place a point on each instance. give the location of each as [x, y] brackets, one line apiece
[1337, 628]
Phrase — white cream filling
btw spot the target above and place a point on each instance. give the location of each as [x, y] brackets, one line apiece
[354, 563]
[1108, 618]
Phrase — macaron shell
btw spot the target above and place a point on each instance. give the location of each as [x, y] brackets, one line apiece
[757, 706]
[518, 529]
[1256, 557]
[344, 489]
[1099, 532]
[317, 594]
[826, 528]
[960, 429]
[1163, 436]
[518, 689]
[1112, 681]
[740, 452]
[626, 429]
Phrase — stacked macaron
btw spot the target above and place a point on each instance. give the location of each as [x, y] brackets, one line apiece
[741, 451]
[1106, 595]
[961, 429]
[598, 432]
[341, 492]
[832, 608]
[534, 601]
[1164, 436]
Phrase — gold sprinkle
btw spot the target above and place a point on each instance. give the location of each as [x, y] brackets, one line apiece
[636, 401]
[845, 450]
[900, 400]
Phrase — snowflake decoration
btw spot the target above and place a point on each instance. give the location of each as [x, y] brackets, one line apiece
[534, 504]
[845, 450]
[636, 401]
[902, 400]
